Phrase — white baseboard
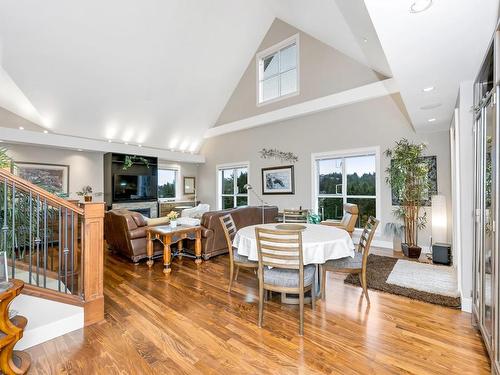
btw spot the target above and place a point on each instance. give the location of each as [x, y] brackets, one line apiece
[388, 244]
[46, 319]
[466, 304]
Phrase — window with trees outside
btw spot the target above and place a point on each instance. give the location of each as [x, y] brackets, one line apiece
[167, 183]
[346, 179]
[232, 192]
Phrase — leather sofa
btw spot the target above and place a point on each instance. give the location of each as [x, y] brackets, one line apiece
[125, 234]
[212, 235]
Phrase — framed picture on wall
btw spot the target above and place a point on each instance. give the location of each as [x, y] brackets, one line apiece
[51, 177]
[189, 185]
[278, 180]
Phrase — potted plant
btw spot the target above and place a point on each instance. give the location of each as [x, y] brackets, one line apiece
[172, 216]
[396, 231]
[407, 175]
[86, 193]
[5, 160]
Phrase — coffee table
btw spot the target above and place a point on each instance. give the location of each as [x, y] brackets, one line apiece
[168, 236]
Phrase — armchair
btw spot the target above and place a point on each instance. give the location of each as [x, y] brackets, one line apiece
[349, 219]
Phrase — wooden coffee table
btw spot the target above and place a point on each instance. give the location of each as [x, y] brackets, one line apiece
[168, 236]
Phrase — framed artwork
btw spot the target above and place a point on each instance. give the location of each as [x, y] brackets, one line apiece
[431, 162]
[278, 180]
[51, 177]
[189, 185]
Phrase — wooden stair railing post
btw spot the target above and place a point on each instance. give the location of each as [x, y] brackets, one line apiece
[93, 262]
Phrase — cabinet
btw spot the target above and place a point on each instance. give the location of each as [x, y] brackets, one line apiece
[486, 290]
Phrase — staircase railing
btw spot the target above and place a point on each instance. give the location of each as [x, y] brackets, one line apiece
[55, 246]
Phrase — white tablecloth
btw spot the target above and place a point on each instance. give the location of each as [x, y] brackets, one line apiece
[319, 243]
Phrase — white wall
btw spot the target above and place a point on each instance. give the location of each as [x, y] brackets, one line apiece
[85, 168]
[377, 122]
[466, 162]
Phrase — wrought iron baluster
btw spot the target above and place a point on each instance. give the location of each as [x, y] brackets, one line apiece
[30, 248]
[59, 253]
[71, 252]
[38, 240]
[45, 245]
[5, 227]
[66, 250]
[13, 220]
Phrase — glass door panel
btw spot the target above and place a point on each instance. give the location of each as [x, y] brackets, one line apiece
[488, 251]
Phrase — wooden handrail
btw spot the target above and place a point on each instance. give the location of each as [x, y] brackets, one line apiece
[51, 198]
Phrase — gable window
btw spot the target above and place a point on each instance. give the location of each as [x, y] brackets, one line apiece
[231, 186]
[278, 73]
[346, 178]
[167, 183]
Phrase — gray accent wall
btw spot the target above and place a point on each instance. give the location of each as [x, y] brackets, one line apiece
[377, 122]
[323, 71]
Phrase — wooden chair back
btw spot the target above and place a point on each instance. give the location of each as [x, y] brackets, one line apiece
[280, 248]
[295, 216]
[366, 238]
[229, 228]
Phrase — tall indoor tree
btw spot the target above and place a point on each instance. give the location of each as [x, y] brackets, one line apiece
[407, 175]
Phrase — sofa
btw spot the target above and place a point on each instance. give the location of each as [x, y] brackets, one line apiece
[212, 235]
[125, 234]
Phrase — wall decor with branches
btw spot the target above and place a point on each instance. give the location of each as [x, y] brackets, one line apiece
[273, 153]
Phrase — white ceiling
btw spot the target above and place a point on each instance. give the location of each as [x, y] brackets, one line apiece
[159, 72]
[153, 72]
[439, 47]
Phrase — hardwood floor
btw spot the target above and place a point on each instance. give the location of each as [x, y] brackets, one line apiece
[187, 323]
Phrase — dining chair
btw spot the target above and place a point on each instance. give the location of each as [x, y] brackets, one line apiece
[295, 216]
[235, 259]
[281, 268]
[348, 222]
[356, 265]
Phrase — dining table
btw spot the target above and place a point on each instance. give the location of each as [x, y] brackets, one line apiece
[320, 243]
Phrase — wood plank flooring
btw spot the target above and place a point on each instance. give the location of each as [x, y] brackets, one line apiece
[187, 323]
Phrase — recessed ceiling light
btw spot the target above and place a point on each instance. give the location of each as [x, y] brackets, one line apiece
[80, 150]
[21, 128]
[431, 119]
[428, 89]
[365, 40]
[45, 131]
[126, 143]
[430, 106]
[109, 141]
[1, 141]
[139, 145]
[420, 5]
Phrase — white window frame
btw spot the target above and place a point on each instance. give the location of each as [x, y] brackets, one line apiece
[218, 169]
[375, 150]
[259, 63]
[177, 170]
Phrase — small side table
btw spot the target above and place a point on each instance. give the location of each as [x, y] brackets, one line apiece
[11, 331]
[168, 236]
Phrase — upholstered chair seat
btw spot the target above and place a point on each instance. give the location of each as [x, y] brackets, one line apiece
[346, 262]
[241, 258]
[288, 278]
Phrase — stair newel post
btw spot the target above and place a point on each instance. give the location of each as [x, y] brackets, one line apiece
[93, 261]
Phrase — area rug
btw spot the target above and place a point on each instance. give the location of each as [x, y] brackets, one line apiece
[379, 269]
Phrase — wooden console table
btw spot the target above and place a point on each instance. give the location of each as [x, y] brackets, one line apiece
[168, 236]
[11, 331]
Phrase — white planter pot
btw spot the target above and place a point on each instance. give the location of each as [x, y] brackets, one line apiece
[173, 223]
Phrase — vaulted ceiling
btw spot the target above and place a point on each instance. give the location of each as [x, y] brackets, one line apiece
[159, 72]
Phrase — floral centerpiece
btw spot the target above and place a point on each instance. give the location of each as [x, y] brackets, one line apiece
[172, 216]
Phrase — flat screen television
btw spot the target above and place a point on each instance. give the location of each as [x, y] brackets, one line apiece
[130, 188]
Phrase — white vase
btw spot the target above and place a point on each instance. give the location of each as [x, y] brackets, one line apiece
[173, 223]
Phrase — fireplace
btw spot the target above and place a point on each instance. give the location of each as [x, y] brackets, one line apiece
[149, 209]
